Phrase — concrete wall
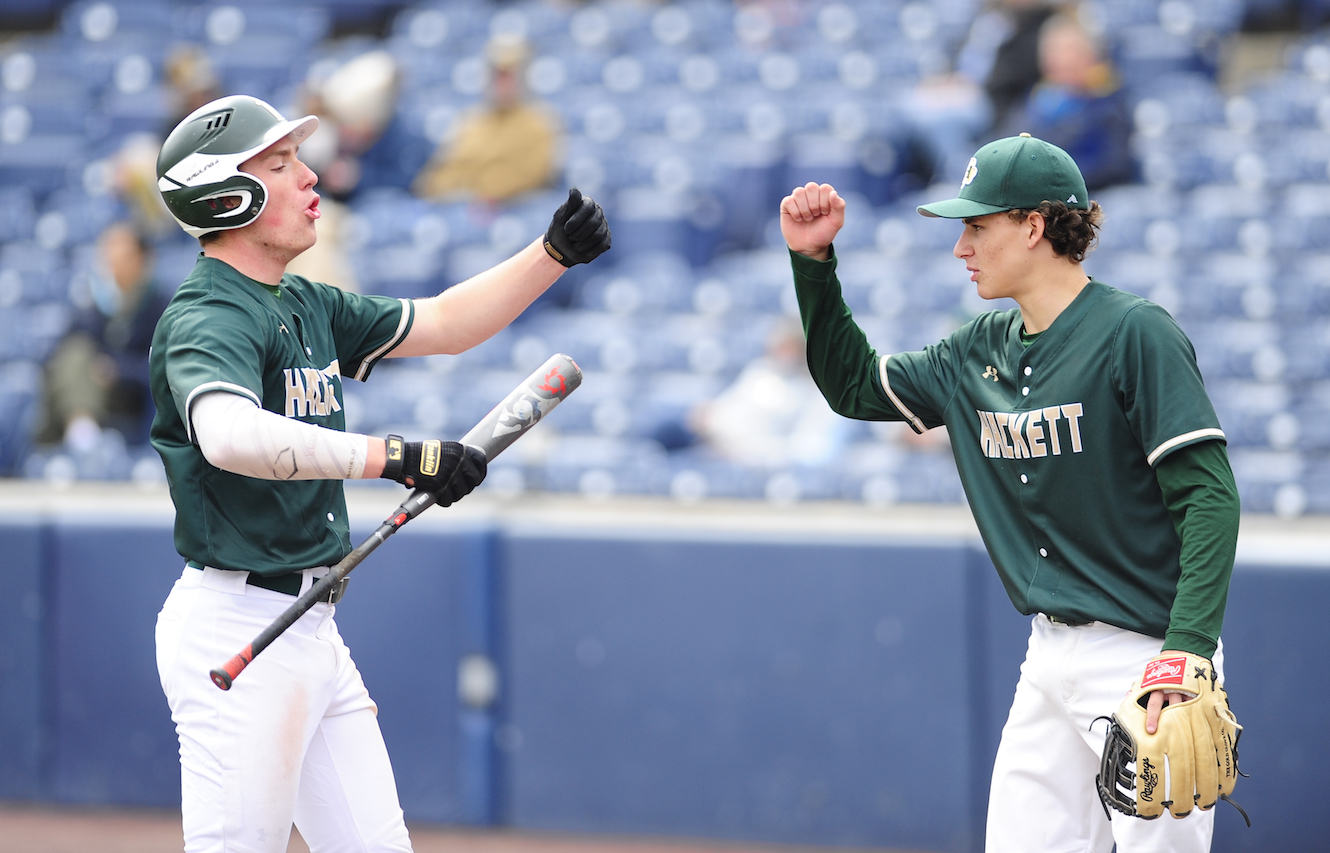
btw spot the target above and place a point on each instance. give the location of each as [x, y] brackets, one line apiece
[817, 675]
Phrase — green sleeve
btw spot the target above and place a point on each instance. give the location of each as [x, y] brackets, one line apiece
[1202, 499]
[840, 359]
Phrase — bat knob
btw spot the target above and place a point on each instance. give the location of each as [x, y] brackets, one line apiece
[221, 678]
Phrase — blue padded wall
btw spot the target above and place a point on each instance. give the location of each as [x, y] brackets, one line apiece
[408, 617]
[998, 639]
[23, 735]
[112, 736]
[806, 690]
[1275, 638]
[800, 693]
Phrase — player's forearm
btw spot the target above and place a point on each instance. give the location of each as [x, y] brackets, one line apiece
[473, 311]
[236, 435]
[1202, 498]
[839, 357]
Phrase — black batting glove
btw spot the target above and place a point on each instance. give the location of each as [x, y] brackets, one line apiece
[449, 470]
[578, 233]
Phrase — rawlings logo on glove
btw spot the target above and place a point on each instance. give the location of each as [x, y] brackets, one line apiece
[1198, 738]
[1164, 671]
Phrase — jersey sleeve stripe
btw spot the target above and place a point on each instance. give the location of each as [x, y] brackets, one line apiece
[910, 418]
[373, 358]
[215, 386]
[1185, 438]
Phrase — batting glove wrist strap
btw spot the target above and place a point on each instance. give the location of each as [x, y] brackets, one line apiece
[449, 470]
[1199, 737]
[578, 233]
[396, 456]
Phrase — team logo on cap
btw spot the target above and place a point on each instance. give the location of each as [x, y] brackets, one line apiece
[970, 172]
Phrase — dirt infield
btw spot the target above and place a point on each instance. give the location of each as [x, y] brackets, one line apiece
[47, 829]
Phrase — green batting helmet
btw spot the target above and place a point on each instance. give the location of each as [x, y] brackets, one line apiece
[199, 164]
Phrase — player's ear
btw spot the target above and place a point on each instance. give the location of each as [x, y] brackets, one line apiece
[1033, 229]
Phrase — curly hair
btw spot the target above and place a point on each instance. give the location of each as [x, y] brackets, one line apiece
[1072, 233]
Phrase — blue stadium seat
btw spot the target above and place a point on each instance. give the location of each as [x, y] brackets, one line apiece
[43, 163]
[299, 24]
[778, 115]
[99, 21]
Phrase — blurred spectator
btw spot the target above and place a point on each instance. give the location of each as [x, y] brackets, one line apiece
[1079, 105]
[134, 182]
[190, 83]
[97, 378]
[1012, 69]
[373, 147]
[364, 145]
[504, 148]
[992, 74]
[1292, 16]
[771, 416]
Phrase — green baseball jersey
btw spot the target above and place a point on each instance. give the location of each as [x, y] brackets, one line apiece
[286, 349]
[1055, 442]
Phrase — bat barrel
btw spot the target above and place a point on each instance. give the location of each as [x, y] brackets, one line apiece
[522, 409]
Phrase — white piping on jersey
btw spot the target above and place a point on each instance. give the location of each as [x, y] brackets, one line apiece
[914, 422]
[1183, 439]
[370, 359]
[214, 386]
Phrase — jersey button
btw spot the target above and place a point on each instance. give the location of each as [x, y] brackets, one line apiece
[309, 351]
[1043, 552]
[330, 516]
[1024, 479]
[1025, 392]
[1028, 370]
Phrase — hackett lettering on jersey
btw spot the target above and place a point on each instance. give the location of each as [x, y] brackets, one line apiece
[225, 332]
[1023, 435]
[312, 392]
[1054, 441]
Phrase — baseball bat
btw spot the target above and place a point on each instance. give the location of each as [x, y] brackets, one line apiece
[510, 420]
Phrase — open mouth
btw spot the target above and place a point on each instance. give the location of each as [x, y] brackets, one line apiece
[313, 209]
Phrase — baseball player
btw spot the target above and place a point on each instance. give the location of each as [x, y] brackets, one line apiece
[1093, 463]
[247, 366]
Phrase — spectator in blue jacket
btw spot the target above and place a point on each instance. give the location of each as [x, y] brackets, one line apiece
[97, 378]
[1079, 105]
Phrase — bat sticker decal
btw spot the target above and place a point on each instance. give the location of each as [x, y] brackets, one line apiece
[558, 391]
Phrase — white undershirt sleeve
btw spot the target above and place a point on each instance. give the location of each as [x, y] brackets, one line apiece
[236, 435]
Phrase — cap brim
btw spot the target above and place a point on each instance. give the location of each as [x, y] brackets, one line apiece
[958, 208]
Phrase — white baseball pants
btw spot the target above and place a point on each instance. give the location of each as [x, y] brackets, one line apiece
[295, 740]
[1043, 795]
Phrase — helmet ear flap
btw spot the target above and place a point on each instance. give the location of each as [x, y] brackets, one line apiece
[232, 203]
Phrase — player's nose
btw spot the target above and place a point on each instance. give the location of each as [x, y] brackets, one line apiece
[962, 249]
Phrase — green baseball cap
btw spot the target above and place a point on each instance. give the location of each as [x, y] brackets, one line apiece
[1016, 173]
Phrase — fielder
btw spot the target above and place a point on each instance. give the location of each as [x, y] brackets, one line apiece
[247, 365]
[1098, 476]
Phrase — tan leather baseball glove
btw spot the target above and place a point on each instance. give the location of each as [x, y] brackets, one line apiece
[1191, 761]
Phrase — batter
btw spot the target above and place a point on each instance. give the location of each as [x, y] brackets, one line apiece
[1092, 460]
[247, 366]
